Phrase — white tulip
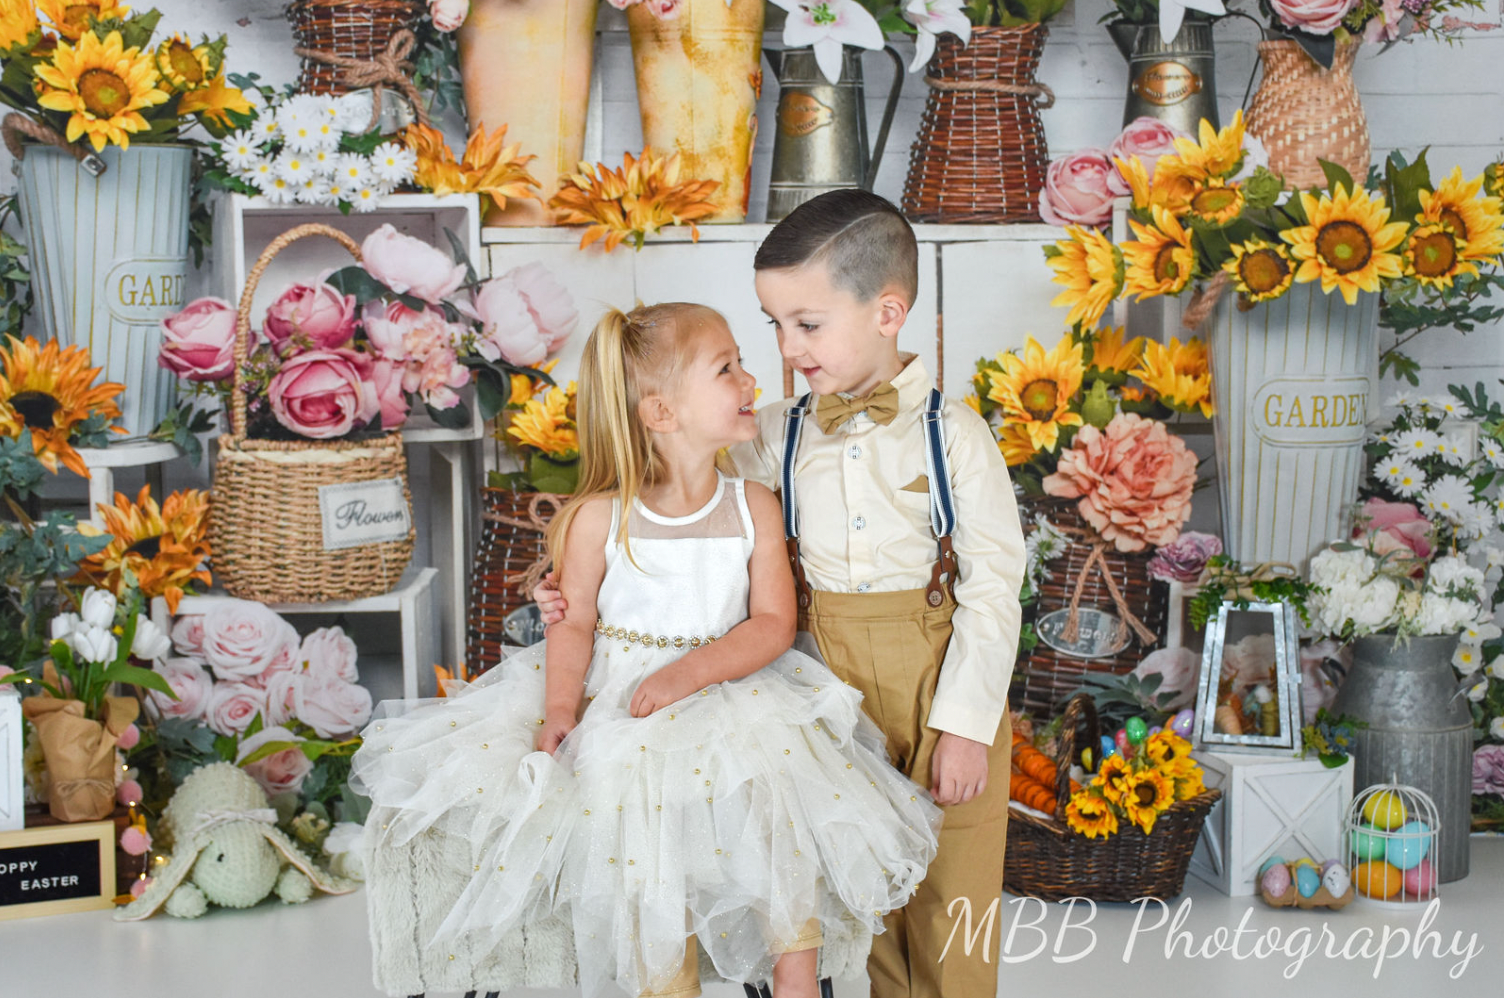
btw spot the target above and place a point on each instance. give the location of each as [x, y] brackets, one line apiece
[94, 644]
[150, 642]
[63, 626]
[98, 608]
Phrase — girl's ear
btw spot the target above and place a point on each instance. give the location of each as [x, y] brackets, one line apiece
[656, 415]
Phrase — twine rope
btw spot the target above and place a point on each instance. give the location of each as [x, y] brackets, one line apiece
[994, 87]
[529, 577]
[1096, 559]
[68, 788]
[1204, 300]
[15, 125]
[387, 68]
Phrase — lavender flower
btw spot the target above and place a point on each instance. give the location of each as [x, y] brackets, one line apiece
[1183, 558]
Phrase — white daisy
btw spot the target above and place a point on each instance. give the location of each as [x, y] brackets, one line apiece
[393, 163]
[301, 136]
[314, 190]
[258, 171]
[364, 198]
[294, 167]
[277, 190]
[239, 149]
[1449, 406]
[1499, 511]
[1476, 521]
[336, 190]
[1454, 450]
[1449, 496]
[1410, 482]
[1394, 469]
[353, 170]
[327, 134]
[1492, 453]
[1416, 443]
[323, 161]
[1401, 400]
[267, 127]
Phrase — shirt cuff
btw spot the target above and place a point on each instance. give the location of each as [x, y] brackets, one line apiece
[965, 720]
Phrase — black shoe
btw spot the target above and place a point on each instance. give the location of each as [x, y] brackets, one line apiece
[827, 988]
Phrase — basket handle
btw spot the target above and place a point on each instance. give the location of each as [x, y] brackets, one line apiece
[1079, 705]
[243, 315]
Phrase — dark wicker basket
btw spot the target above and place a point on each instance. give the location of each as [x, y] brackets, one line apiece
[356, 29]
[981, 154]
[508, 562]
[1047, 860]
[1045, 678]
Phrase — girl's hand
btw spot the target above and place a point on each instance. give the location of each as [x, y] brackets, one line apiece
[551, 603]
[669, 684]
[552, 732]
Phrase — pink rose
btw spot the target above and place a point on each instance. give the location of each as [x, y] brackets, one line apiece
[129, 792]
[508, 329]
[1076, 190]
[282, 695]
[548, 302]
[386, 379]
[331, 706]
[1488, 769]
[448, 14]
[189, 680]
[135, 841]
[410, 266]
[1397, 527]
[281, 772]
[1134, 481]
[330, 652]
[1148, 139]
[320, 394]
[199, 342]
[1318, 17]
[188, 635]
[232, 707]
[387, 325]
[243, 639]
[310, 318]
[1183, 559]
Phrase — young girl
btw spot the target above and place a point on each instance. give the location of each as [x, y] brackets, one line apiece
[663, 769]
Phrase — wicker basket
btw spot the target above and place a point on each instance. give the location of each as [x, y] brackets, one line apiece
[1047, 860]
[1043, 680]
[1304, 113]
[509, 561]
[981, 155]
[265, 526]
[354, 29]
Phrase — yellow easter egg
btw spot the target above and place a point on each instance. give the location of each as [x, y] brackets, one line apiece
[1307, 861]
[1379, 881]
[1385, 810]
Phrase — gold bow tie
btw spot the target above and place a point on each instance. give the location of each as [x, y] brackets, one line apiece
[881, 404]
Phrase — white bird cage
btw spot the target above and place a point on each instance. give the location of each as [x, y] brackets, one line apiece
[1391, 834]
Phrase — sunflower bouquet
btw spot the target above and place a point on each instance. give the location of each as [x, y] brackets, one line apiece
[1136, 787]
[90, 69]
[543, 435]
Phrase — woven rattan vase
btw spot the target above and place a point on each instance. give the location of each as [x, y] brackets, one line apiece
[266, 525]
[509, 561]
[981, 154]
[1303, 113]
[354, 29]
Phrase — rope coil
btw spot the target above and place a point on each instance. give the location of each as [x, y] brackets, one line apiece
[387, 68]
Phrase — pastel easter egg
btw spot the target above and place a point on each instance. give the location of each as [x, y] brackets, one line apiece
[1270, 864]
[1136, 730]
[1331, 863]
[1155, 730]
[1408, 845]
[1275, 880]
[1336, 879]
[1385, 810]
[1183, 722]
[1307, 880]
[1120, 739]
[1379, 881]
[1086, 760]
[1420, 879]
[1367, 845]
[1109, 747]
[1306, 861]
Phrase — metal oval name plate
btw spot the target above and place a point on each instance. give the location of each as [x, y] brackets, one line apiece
[1099, 634]
[1166, 83]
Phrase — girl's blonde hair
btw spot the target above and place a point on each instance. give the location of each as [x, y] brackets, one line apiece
[629, 356]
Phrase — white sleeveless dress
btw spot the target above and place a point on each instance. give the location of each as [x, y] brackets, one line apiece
[736, 814]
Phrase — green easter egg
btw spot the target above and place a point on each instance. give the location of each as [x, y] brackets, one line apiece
[1137, 730]
[1367, 845]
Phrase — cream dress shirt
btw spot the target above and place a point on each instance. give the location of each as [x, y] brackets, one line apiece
[861, 530]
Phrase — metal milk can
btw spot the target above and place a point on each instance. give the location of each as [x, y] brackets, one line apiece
[1174, 81]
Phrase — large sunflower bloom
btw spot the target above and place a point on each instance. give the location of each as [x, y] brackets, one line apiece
[1035, 390]
[1218, 154]
[1260, 272]
[1112, 778]
[1347, 245]
[1167, 750]
[184, 65]
[215, 102]
[49, 391]
[102, 86]
[1091, 269]
[1109, 354]
[1091, 816]
[1215, 202]
[1162, 261]
[71, 17]
[545, 425]
[164, 547]
[1477, 222]
[1146, 794]
[1179, 375]
[1433, 255]
[18, 24]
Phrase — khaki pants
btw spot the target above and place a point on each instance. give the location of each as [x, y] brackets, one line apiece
[686, 983]
[890, 647]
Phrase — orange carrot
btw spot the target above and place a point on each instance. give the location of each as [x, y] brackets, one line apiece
[1030, 793]
[1035, 764]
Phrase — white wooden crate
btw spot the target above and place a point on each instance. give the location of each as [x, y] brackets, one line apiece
[12, 780]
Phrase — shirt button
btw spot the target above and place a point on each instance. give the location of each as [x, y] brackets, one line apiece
[864, 587]
[858, 522]
[855, 452]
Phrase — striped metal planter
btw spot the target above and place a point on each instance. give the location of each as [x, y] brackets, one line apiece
[1295, 381]
[109, 259]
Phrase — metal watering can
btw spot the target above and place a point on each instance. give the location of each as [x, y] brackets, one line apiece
[821, 141]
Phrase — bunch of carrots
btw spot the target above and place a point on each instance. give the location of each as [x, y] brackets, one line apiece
[1032, 781]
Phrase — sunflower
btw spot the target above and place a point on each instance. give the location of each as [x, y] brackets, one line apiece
[1167, 750]
[1493, 179]
[102, 86]
[18, 24]
[1162, 261]
[1146, 794]
[1433, 255]
[1014, 442]
[184, 65]
[1188, 780]
[1477, 222]
[1216, 203]
[1091, 816]
[163, 547]
[1091, 269]
[1179, 375]
[1112, 777]
[215, 102]
[1170, 187]
[546, 425]
[72, 18]
[49, 392]
[1035, 390]
[525, 388]
[1218, 154]
[1347, 244]
[1109, 354]
[1260, 272]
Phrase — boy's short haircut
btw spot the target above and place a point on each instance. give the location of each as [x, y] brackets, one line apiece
[862, 238]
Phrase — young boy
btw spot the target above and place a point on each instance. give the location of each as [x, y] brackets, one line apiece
[925, 626]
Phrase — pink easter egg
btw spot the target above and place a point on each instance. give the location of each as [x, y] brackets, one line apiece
[1121, 739]
[1420, 880]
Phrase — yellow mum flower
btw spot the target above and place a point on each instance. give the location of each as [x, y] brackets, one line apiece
[18, 24]
[1090, 815]
[165, 547]
[49, 391]
[1091, 268]
[1146, 794]
[1433, 255]
[1218, 154]
[496, 171]
[1260, 272]
[546, 425]
[1347, 245]
[184, 65]
[634, 201]
[215, 102]
[72, 18]
[1179, 375]
[1477, 221]
[1035, 390]
[1110, 353]
[102, 86]
[1161, 261]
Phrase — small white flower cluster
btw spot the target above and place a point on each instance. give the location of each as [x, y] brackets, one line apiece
[90, 633]
[1042, 544]
[1361, 594]
[291, 153]
[1435, 470]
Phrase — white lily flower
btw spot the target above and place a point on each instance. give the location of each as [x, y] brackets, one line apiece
[931, 18]
[150, 642]
[1172, 13]
[828, 25]
[98, 608]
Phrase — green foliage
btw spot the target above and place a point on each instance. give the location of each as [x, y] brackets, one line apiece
[183, 425]
[15, 281]
[1207, 602]
[1330, 738]
[1119, 698]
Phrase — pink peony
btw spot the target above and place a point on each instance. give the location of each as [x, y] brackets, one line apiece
[331, 706]
[310, 318]
[1183, 558]
[189, 680]
[198, 343]
[1488, 769]
[1179, 669]
[243, 639]
[1134, 481]
[410, 266]
[432, 370]
[134, 841]
[448, 14]
[321, 394]
[548, 302]
[508, 329]
[282, 695]
[232, 707]
[281, 772]
[1076, 190]
[330, 652]
[129, 738]
[1397, 527]
[188, 635]
[1318, 17]
[1148, 139]
[386, 380]
[387, 325]
[129, 792]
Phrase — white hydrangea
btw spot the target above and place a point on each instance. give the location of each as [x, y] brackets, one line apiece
[1453, 573]
[1372, 607]
[1333, 569]
[1443, 615]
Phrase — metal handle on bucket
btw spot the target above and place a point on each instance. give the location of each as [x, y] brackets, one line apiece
[875, 160]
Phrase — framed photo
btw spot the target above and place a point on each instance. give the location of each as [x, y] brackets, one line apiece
[1248, 699]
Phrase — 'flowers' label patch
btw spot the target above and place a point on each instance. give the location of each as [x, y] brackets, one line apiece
[359, 513]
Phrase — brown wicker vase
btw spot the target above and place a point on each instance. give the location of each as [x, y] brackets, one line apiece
[1044, 679]
[1303, 113]
[981, 154]
[509, 561]
[353, 29]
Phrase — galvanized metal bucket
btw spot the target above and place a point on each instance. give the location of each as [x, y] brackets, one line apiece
[1174, 81]
[109, 259]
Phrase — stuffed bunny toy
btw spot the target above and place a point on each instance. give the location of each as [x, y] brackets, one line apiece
[226, 850]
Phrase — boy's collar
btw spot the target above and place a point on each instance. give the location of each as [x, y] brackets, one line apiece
[912, 382]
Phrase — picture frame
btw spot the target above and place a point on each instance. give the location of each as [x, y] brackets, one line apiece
[65, 867]
[1248, 695]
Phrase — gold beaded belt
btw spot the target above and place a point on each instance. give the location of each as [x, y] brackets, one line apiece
[649, 640]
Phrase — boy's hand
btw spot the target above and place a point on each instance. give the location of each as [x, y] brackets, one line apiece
[551, 604]
[958, 769]
[669, 684]
[552, 733]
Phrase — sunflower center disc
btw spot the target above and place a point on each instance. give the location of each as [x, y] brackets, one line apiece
[1449, 216]
[104, 94]
[183, 62]
[1344, 246]
[1165, 267]
[1435, 253]
[1263, 271]
[1039, 398]
[36, 408]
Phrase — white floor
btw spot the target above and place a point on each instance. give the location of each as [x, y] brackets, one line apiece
[320, 950]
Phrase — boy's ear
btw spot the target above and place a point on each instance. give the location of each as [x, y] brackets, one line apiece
[656, 415]
[893, 312]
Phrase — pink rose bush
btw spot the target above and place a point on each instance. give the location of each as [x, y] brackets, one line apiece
[1077, 189]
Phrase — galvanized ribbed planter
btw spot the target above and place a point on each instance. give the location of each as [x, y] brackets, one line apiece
[109, 260]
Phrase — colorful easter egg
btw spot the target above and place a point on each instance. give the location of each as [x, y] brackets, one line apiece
[1331, 863]
[1420, 879]
[1408, 845]
[1120, 739]
[1136, 730]
[1306, 861]
[1270, 863]
[1385, 810]
[1379, 881]
[1367, 845]
[1155, 730]
[1183, 722]
[1275, 880]
[1336, 879]
[1109, 747]
[1307, 880]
